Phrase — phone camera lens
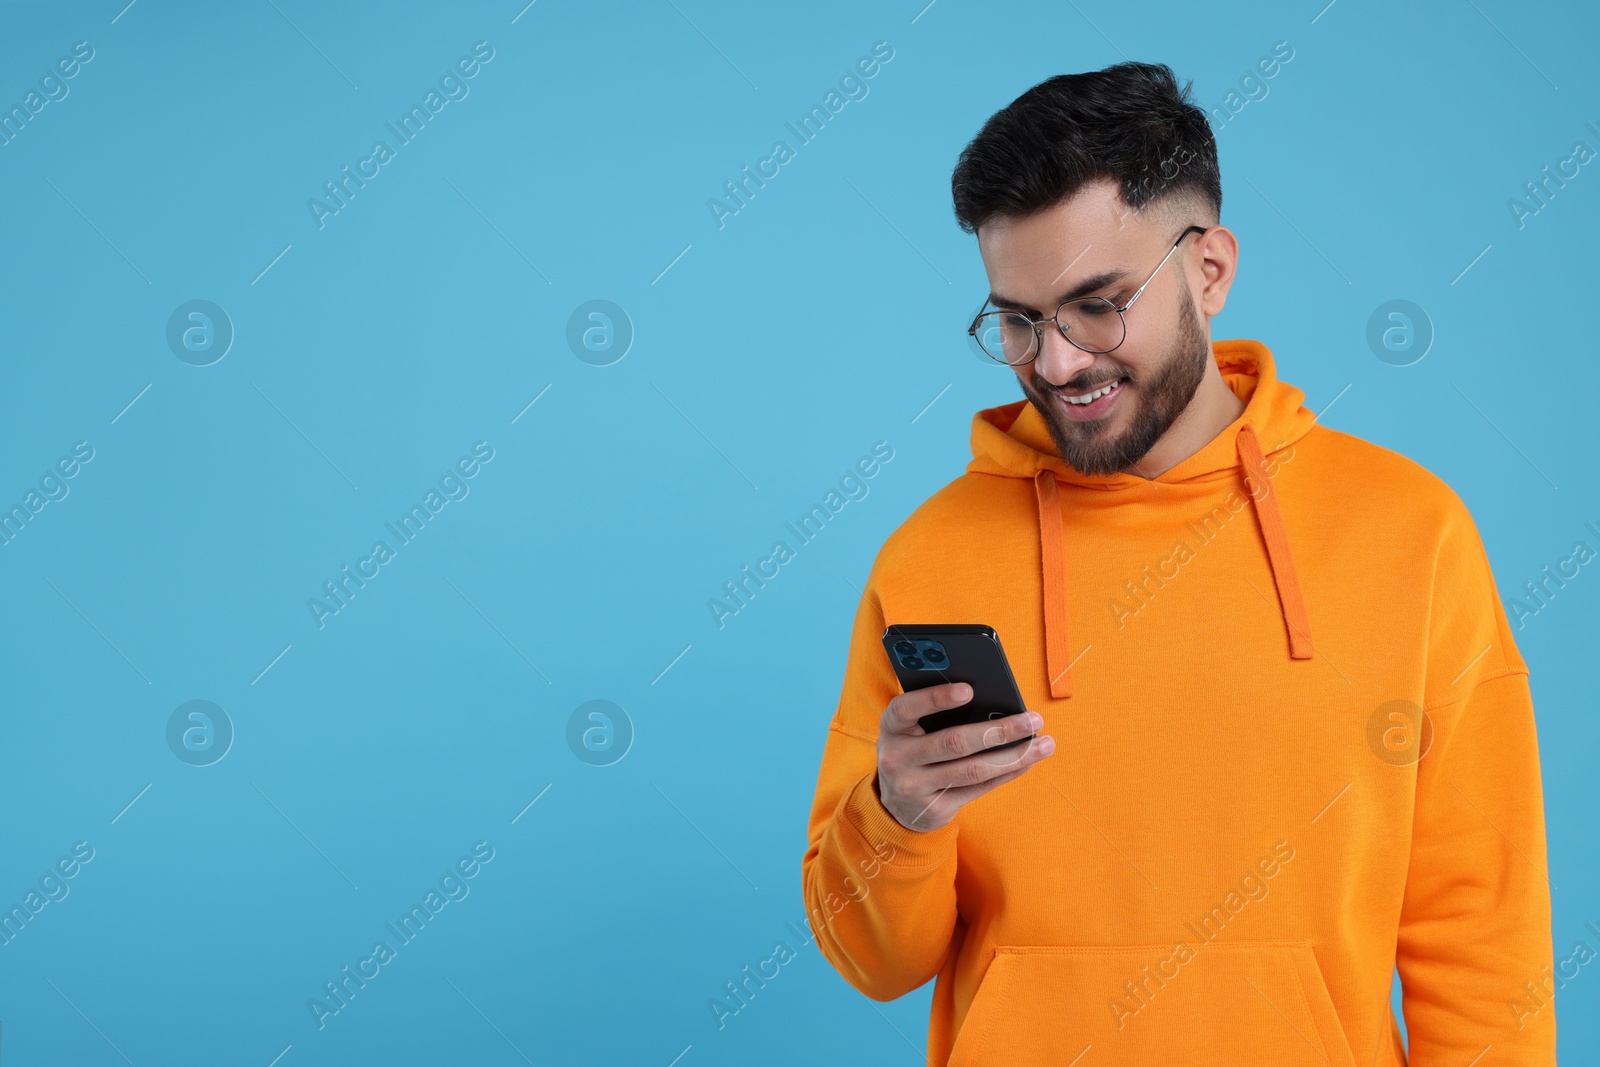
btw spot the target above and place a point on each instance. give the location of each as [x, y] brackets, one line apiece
[933, 656]
[912, 662]
[905, 648]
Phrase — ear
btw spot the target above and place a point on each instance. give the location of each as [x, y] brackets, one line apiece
[1218, 261]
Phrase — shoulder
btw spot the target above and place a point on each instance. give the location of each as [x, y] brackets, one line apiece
[1392, 512]
[1371, 478]
[972, 509]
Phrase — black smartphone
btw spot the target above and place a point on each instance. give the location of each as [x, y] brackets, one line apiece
[923, 656]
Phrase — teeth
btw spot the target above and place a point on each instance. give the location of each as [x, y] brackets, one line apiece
[1088, 398]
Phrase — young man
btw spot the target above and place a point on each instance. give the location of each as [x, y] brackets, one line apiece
[1285, 739]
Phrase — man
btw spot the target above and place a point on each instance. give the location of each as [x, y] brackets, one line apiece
[1285, 738]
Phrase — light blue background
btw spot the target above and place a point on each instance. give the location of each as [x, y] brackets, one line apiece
[822, 318]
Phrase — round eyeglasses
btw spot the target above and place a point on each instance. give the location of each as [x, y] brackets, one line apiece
[1092, 323]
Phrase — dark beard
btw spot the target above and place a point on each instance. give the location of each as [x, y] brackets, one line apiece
[1162, 398]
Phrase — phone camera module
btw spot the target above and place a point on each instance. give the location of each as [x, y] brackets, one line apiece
[918, 654]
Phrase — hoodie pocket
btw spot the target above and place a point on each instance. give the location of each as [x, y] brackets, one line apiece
[1256, 1002]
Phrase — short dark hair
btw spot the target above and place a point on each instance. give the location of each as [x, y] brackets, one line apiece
[1128, 122]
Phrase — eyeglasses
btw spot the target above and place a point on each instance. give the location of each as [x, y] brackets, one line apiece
[1092, 323]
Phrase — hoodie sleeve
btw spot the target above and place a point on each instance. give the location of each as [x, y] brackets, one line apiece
[880, 898]
[1474, 947]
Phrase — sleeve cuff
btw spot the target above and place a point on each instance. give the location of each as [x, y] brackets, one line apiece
[866, 815]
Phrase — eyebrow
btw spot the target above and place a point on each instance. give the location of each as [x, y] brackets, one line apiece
[1083, 288]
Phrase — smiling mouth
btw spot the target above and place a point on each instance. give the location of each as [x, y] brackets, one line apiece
[1094, 394]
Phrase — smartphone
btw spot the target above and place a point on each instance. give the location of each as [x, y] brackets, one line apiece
[924, 656]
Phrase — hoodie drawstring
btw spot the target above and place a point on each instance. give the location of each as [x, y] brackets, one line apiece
[1053, 555]
[1277, 538]
[1054, 563]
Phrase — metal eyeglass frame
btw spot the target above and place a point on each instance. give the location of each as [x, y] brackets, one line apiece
[1038, 336]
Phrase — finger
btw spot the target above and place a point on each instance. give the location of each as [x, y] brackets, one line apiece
[1013, 728]
[967, 794]
[901, 715]
[944, 801]
[957, 742]
[955, 775]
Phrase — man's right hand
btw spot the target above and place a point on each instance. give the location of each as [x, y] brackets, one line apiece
[923, 779]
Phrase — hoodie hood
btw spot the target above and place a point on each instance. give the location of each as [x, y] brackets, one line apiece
[1013, 441]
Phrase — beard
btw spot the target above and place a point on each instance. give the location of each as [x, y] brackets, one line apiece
[1162, 397]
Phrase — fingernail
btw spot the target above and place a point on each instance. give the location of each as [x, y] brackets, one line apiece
[1047, 745]
[1035, 720]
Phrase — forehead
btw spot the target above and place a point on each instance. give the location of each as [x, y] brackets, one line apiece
[1037, 257]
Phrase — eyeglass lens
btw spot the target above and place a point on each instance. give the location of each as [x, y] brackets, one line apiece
[1009, 336]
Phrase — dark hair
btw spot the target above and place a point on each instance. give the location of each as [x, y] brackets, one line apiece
[1128, 122]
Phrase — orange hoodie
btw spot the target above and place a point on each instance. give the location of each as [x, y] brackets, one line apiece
[1294, 747]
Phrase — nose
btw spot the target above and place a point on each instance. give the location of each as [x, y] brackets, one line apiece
[1059, 360]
